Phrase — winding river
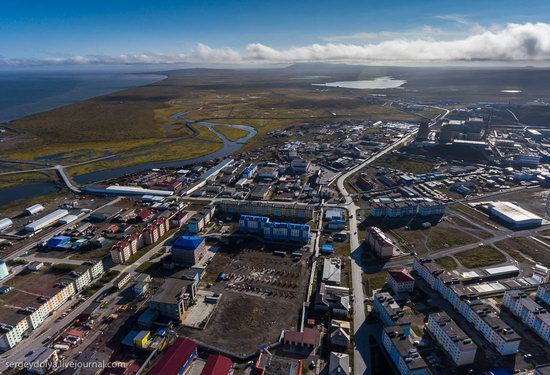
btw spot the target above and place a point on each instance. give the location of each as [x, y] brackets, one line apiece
[11, 194]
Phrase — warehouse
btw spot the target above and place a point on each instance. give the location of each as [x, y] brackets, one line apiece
[46, 221]
[34, 209]
[177, 359]
[68, 219]
[5, 224]
[58, 242]
[127, 190]
[514, 215]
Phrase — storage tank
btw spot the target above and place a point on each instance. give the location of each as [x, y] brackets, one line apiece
[5, 224]
[34, 209]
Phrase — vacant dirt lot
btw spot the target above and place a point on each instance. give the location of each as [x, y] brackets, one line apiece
[262, 294]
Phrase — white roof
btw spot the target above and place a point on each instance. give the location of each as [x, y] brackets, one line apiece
[137, 190]
[503, 269]
[513, 211]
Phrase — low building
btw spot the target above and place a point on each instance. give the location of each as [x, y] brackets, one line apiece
[403, 354]
[382, 246]
[304, 342]
[390, 313]
[173, 298]
[42, 360]
[515, 216]
[400, 281]
[177, 359]
[454, 341]
[142, 338]
[333, 298]
[34, 209]
[529, 312]
[217, 365]
[5, 224]
[332, 269]
[58, 242]
[188, 250]
[339, 364]
[46, 221]
[340, 333]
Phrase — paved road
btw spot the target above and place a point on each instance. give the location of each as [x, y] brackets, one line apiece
[362, 330]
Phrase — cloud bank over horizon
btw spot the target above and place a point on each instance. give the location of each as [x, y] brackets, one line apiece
[511, 43]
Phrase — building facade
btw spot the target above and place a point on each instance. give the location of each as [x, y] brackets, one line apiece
[454, 341]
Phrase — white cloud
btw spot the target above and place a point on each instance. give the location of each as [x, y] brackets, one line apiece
[514, 42]
[425, 32]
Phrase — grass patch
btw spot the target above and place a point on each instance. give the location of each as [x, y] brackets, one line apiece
[233, 134]
[62, 268]
[405, 164]
[108, 276]
[447, 263]
[373, 281]
[482, 256]
[15, 262]
[517, 246]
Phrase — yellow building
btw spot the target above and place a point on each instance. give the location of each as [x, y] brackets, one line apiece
[142, 339]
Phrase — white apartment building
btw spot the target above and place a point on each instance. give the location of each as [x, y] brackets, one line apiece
[448, 334]
[531, 313]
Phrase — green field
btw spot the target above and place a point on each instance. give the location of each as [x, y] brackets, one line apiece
[483, 256]
[136, 124]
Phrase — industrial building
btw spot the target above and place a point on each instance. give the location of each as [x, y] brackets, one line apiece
[457, 344]
[34, 209]
[46, 221]
[402, 352]
[529, 312]
[382, 246]
[188, 250]
[177, 359]
[217, 365]
[390, 313]
[514, 215]
[126, 191]
[59, 242]
[5, 224]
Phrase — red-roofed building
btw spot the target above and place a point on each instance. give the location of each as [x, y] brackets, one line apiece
[400, 280]
[217, 365]
[300, 342]
[143, 215]
[177, 359]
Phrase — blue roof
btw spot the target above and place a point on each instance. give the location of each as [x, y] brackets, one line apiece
[148, 316]
[188, 243]
[129, 339]
[255, 218]
[57, 241]
[327, 248]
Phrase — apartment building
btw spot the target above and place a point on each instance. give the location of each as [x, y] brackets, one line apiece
[454, 341]
[400, 281]
[481, 316]
[390, 313]
[529, 312]
[37, 297]
[543, 293]
[379, 242]
[402, 352]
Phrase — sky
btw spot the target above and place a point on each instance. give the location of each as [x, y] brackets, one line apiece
[91, 32]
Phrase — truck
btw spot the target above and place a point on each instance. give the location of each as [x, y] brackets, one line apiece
[61, 347]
